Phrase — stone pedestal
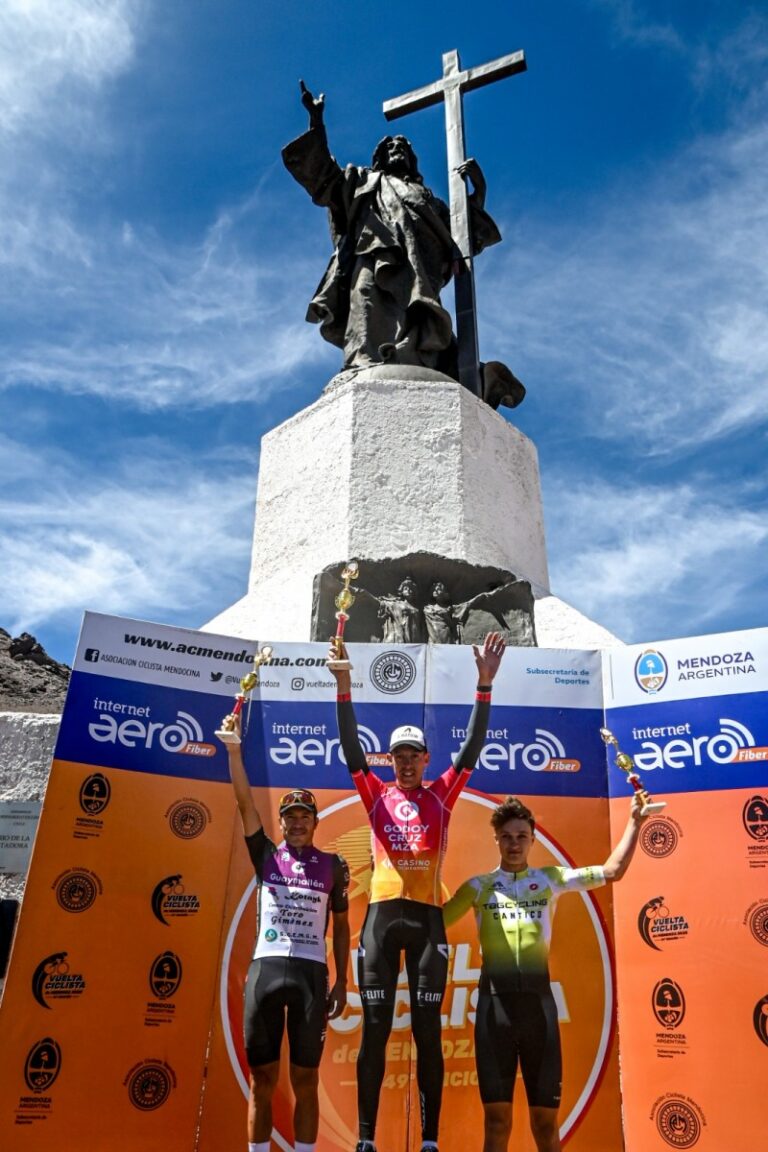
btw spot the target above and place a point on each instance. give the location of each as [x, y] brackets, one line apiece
[391, 462]
[388, 462]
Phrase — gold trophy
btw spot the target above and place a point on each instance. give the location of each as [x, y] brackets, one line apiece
[227, 733]
[344, 602]
[625, 762]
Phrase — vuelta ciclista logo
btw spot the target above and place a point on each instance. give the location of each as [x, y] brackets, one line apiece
[149, 1085]
[655, 923]
[188, 818]
[393, 672]
[679, 1123]
[95, 793]
[668, 1004]
[76, 890]
[651, 671]
[169, 898]
[165, 975]
[42, 1065]
[760, 1019]
[755, 818]
[52, 980]
[658, 838]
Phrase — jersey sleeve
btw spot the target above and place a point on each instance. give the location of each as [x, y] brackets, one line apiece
[259, 847]
[339, 900]
[349, 737]
[369, 788]
[462, 900]
[579, 879]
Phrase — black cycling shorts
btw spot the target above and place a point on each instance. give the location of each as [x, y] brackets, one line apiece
[410, 927]
[517, 1027]
[280, 986]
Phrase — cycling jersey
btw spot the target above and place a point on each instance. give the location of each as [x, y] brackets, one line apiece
[297, 890]
[514, 913]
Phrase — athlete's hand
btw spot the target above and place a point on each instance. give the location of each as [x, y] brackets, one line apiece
[337, 650]
[637, 809]
[489, 659]
[337, 1000]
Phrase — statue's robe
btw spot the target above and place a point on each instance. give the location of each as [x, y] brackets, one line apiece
[379, 299]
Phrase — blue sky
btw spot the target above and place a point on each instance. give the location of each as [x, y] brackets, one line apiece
[157, 260]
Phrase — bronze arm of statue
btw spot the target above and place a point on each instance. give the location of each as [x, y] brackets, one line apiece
[315, 106]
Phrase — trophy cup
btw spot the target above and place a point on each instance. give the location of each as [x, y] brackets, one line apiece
[227, 733]
[344, 602]
[625, 762]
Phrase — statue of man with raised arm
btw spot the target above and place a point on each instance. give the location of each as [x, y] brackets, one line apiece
[379, 299]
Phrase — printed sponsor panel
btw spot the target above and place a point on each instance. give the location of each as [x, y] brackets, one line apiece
[584, 994]
[532, 677]
[691, 967]
[698, 667]
[106, 1008]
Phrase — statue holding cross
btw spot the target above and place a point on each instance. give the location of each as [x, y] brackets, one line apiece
[396, 245]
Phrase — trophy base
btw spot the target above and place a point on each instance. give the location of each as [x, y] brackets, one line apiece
[339, 665]
[227, 736]
[654, 806]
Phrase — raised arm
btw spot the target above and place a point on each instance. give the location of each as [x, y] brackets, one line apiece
[621, 857]
[345, 713]
[487, 660]
[314, 106]
[248, 812]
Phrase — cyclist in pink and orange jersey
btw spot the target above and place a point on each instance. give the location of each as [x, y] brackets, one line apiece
[409, 824]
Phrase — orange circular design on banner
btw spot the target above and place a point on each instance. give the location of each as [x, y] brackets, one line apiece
[583, 993]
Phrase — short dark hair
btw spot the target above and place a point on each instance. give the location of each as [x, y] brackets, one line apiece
[511, 809]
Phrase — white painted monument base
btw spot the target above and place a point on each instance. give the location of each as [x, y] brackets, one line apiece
[390, 461]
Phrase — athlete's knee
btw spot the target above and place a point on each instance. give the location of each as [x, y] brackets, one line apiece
[304, 1081]
[497, 1118]
[426, 1025]
[263, 1081]
[545, 1129]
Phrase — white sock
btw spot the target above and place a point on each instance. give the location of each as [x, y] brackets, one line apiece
[299, 1147]
[262, 1146]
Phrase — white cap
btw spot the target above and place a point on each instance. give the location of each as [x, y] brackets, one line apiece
[408, 734]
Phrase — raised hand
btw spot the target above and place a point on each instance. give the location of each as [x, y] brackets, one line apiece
[489, 659]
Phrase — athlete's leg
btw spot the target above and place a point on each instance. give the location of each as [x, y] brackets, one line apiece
[545, 1129]
[378, 962]
[497, 1126]
[263, 1082]
[426, 961]
[306, 1112]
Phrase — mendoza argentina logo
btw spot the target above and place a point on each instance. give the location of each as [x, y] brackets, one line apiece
[134, 726]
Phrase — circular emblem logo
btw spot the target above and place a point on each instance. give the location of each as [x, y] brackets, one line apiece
[651, 671]
[668, 1004]
[95, 792]
[165, 975]
[270, 935]
[658, 838]
[755, 817]
[187, 819]
[406, 810]
[760, 1019]
[393, 672]
[149, 1086]
[758, 924]
[42, 1065]
[678, 1124]
[76, 891]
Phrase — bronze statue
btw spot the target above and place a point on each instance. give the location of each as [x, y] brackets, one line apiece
[445, 620]
[379, 299]
[401, 615]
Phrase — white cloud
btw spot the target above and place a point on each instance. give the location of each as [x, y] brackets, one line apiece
[640, 559]
[156, 535]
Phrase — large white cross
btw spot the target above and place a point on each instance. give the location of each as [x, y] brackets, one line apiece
[450, 89]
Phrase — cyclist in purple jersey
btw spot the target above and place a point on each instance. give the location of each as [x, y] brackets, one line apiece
[300, 888]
